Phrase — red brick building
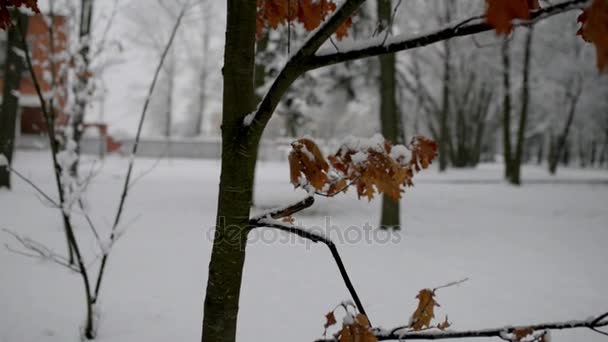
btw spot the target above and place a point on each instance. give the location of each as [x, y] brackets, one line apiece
[39, 44]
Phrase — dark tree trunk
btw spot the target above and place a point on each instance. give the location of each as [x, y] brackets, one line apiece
[389, 115]
[239, 152]
[561, 150]
[445, 108]
[593, 153]
[540, 153]
[523, 118]
[13, 69]
[506, 108]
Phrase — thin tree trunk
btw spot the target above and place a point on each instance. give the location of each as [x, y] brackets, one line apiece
[523, 118]
[506, 118]
[13, 69]
[389, 117]
[239, 152]
[561, 150]
[445, 110]
[82, 79]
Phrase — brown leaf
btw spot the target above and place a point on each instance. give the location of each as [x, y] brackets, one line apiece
[594, 29]
[500, 13]
[357, 331]
[425, 312]
[306, 158]
[520, 334]
[444, 325]
[311, 13]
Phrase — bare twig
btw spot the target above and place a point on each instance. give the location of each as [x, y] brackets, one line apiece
[261, 222]
[40, 251]
[125, 189]
[453, 283]
[34, 186]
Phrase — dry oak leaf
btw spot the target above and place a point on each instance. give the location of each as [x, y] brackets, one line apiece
[5, 5]
[330, 319]
[425, 312]
[500, 13]
[424, 150]
[594, 29]
[311, 13]
[306, 158]
[357, 331]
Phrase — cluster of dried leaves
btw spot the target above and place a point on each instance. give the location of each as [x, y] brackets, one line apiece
[311, 13]
[594, 22]
[594, 29]
[7, 5]
[355, 327]
[382, 168]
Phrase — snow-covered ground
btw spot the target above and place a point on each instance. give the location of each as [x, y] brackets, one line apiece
[535, 253]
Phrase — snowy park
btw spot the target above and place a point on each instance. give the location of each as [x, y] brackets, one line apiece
[532, 254]
[303, 170]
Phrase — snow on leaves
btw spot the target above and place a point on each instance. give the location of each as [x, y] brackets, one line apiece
[500, 13]
[355, 326]
[6, 5]
[371, 165]
[310, 13]
[594, 29]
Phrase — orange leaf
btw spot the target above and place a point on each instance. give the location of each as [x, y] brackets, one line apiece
[311, 13]
[594, 29]
[425, 311]
[306, 158]
[357, 331]
[500, 13]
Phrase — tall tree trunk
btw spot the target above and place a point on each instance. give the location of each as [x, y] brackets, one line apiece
[445, 108]
[236, 180]
[13, 69]
[389, 115]
[506, 117]
[523, 117]
[561, 150]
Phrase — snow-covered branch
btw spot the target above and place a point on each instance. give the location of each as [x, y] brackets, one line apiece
[403, 333]
[379, 46]
[285, 211]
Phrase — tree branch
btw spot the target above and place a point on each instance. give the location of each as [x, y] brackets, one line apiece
[289, 210]
[126, 185]
[374, 46]
[266, 222]
[385, 335]
[296, 65]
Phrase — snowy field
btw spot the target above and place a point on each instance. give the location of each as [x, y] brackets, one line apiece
[533, 254]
